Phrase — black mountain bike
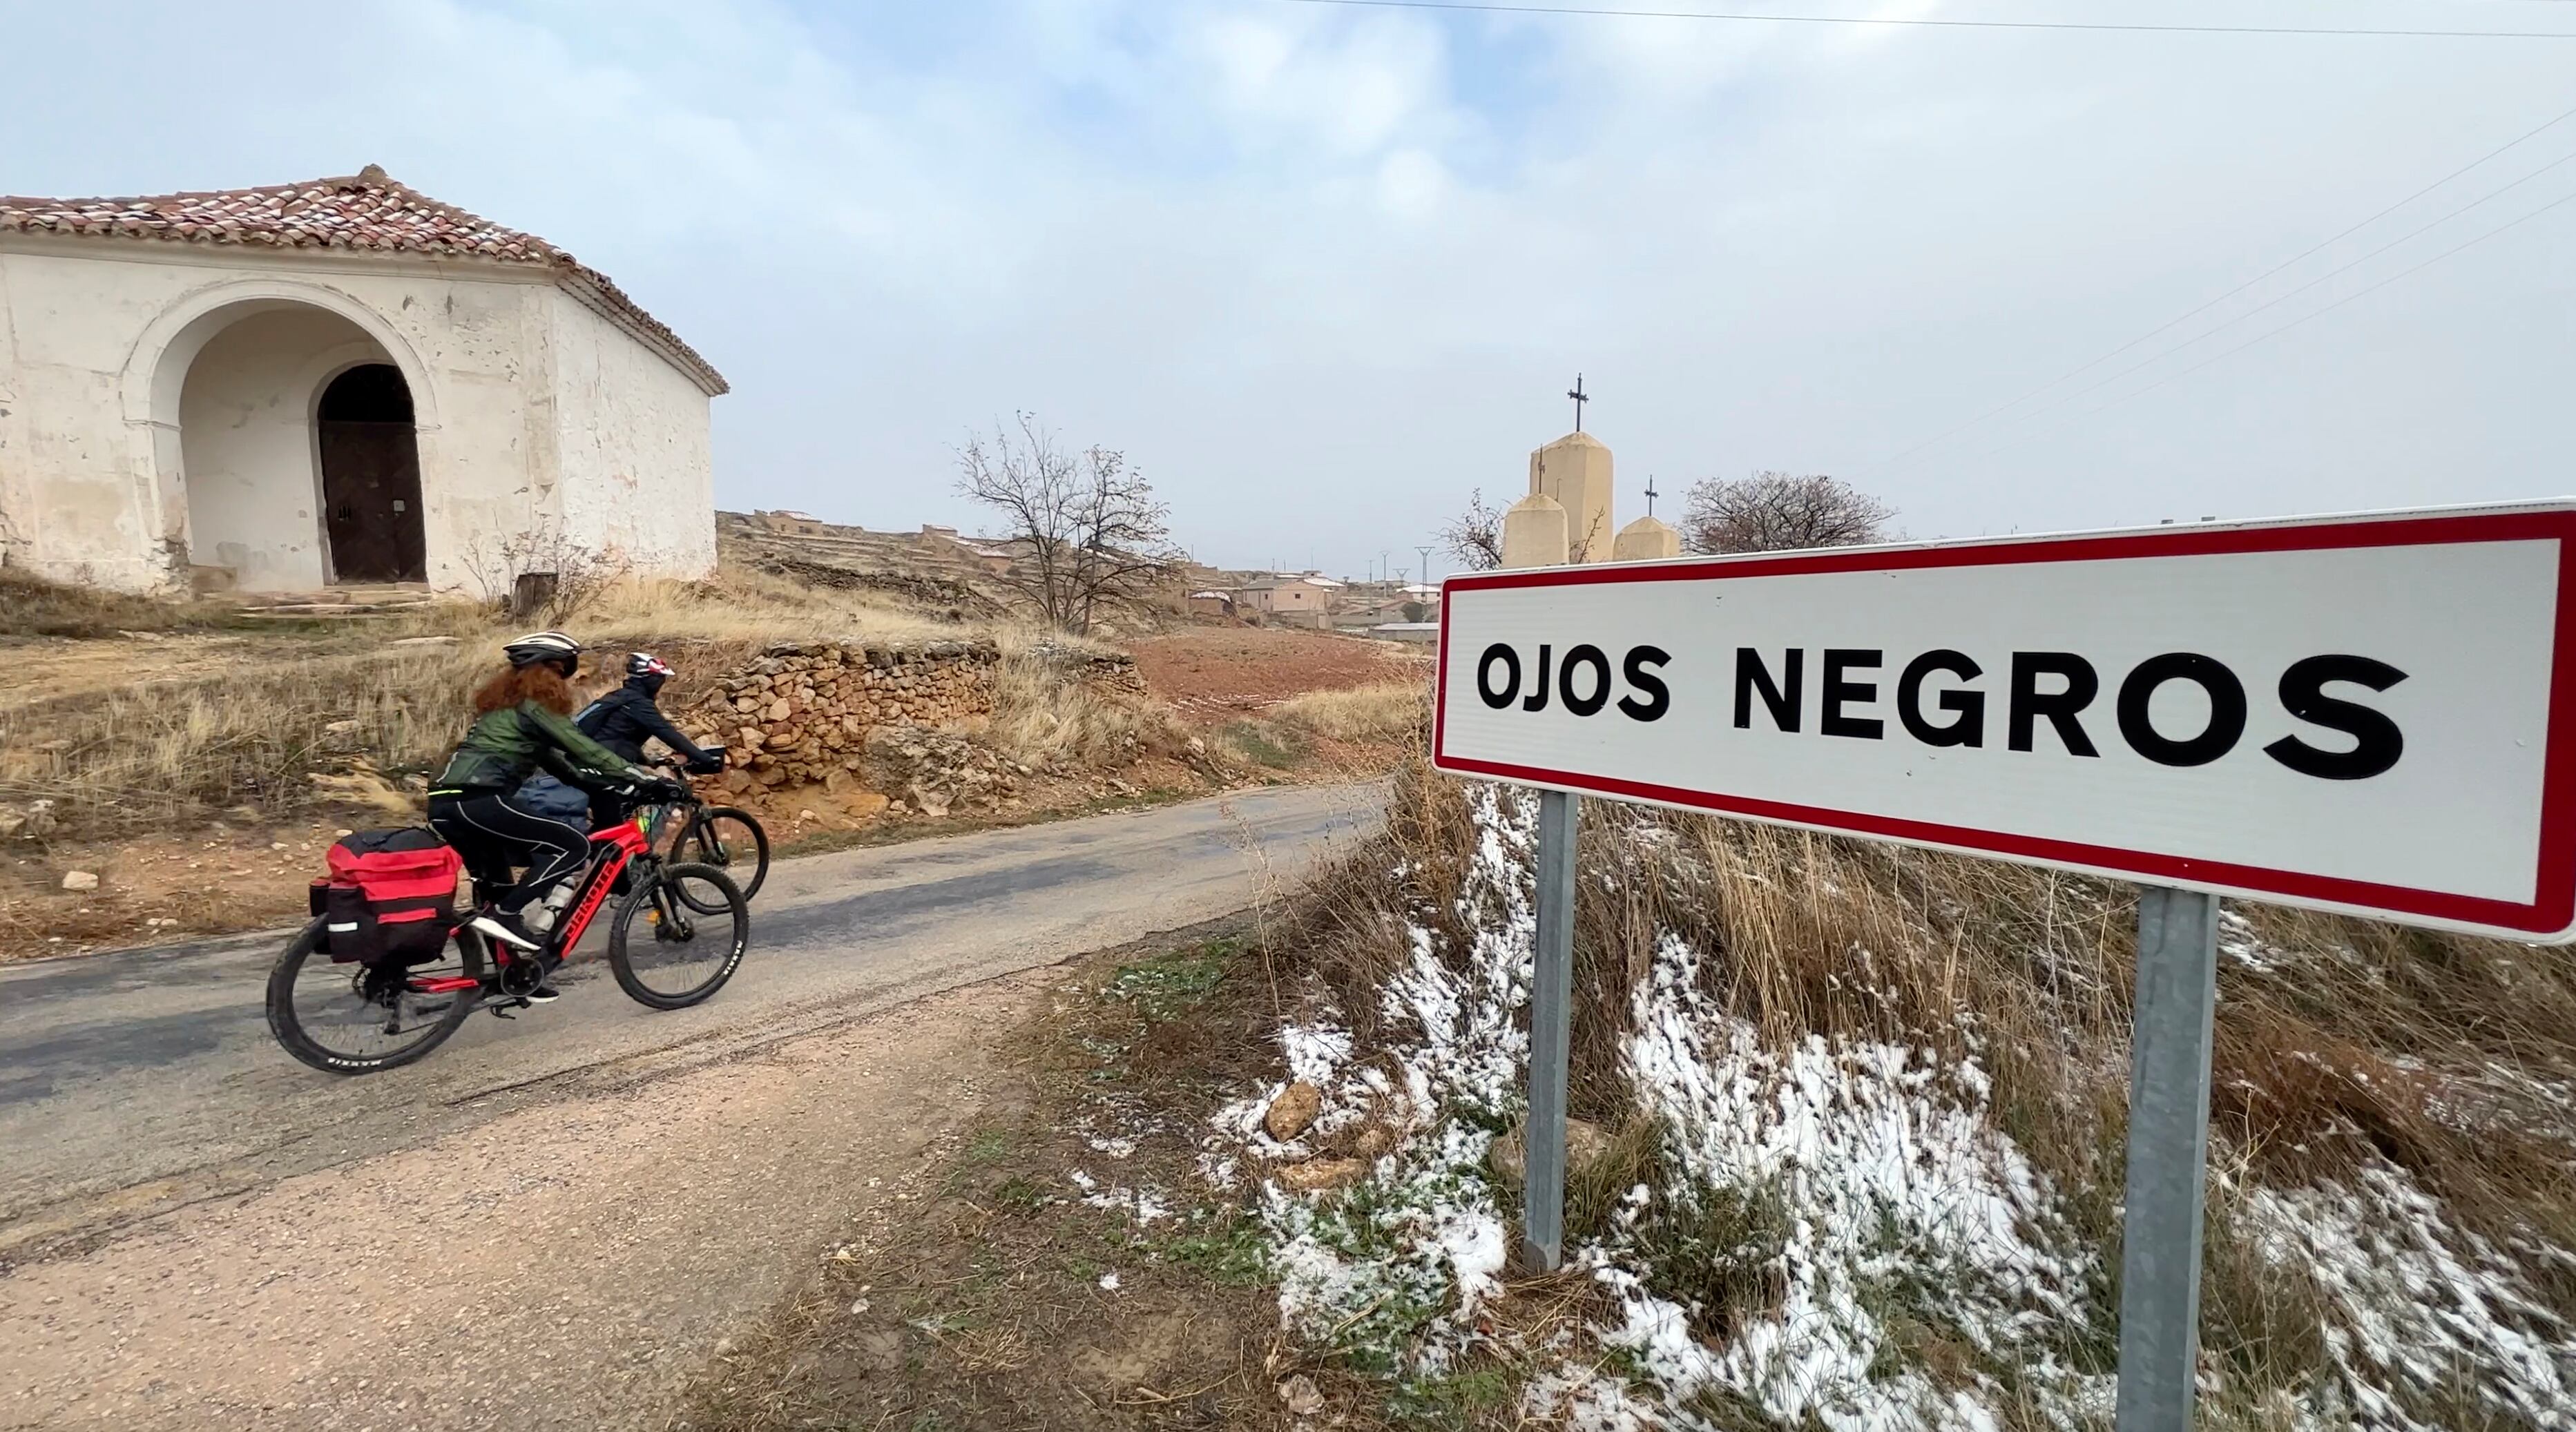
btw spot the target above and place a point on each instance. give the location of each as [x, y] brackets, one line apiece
[724, 837]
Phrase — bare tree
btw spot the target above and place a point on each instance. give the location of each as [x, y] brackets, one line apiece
[1474, 538]
[1776, 512]
[1086, 525]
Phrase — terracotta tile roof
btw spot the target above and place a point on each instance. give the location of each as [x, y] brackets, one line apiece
[367, 211]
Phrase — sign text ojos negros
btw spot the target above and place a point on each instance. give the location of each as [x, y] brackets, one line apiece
[2369, 714]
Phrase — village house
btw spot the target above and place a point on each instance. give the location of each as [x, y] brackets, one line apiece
[1290, 599]
[335, 382]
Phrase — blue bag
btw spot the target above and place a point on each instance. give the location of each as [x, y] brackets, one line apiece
[542, 794]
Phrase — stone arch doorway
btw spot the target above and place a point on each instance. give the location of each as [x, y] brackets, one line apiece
[370, 465]
[281, 495]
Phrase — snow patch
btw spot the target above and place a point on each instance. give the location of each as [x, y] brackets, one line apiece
[2416, 1307]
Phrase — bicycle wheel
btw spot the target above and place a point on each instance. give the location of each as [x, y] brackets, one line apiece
[678, 936]
[349, 1019]
[731, 841]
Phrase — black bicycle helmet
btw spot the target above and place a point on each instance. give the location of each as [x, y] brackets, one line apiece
[645, 663]
[543, 646]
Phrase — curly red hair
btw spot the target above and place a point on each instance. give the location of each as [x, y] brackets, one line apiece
[541, 684]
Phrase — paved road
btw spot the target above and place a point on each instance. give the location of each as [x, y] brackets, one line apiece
[133, 1084]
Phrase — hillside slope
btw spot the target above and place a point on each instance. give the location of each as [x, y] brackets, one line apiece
[1855, 1120]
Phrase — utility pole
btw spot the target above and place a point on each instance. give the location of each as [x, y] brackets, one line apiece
[1426, 564]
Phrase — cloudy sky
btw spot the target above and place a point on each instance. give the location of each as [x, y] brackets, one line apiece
[1321, 270]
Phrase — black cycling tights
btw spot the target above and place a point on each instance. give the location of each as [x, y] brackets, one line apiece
[493, 835]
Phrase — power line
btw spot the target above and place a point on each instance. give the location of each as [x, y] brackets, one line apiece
[2271, 334]
[2271, 304]
[1487, 7]
[2171, 323]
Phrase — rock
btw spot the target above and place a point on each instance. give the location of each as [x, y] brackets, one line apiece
[1294, 1111]
[1315, 1175]
[80, 880]
[1585, 1143]
[864, 805]
[779, 710]
[33, 821]
[1374, 1141]
[1298, 1393]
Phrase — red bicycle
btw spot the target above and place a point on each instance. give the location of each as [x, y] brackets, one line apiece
[678, 933]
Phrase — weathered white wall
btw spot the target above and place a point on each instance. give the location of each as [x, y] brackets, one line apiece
[97, 338]
[74, 490]
[252, 477]
[638, 479]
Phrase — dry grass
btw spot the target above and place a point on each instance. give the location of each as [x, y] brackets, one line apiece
[2367, 1042]
[337, 711]
[30, 606]
[251, 736]
[1045, 716]
[1387, 710]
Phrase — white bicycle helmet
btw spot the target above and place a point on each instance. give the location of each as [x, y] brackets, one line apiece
[538, 646]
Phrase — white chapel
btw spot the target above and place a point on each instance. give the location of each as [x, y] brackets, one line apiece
[332, 383]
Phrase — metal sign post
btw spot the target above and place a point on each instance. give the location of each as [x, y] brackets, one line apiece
[2177, 1000]
[2373, 715]
[1551, 994]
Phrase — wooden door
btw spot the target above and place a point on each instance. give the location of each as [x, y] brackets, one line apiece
[371, 478]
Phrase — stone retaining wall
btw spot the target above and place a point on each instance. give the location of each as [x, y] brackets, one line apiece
[804, 710]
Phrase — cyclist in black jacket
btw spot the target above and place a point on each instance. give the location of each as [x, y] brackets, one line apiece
[624, 719]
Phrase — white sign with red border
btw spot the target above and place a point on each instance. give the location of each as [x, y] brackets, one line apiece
[2372, 714]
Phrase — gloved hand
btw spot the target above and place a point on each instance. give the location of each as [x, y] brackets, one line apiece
[713, 763]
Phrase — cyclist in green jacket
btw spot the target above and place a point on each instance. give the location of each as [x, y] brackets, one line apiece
[521, 722]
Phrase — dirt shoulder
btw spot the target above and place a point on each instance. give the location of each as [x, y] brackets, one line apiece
[1075, 1261]
[569, 1265]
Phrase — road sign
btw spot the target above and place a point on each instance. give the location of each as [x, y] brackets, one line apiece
[2373, 714]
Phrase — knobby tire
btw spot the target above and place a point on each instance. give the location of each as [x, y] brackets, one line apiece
[292, 1036]
[721, 924]
[702, 844]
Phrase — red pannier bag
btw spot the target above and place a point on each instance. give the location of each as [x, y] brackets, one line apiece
[391, 895]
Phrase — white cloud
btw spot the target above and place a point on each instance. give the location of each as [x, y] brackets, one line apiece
[1321, 272]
